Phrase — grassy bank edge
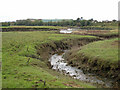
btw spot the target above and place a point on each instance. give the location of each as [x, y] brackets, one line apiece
[88, 59]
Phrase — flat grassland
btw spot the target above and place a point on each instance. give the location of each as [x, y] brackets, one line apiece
[49, 27]
[18, 73]
[97, 32]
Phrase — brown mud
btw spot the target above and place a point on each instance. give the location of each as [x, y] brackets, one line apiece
[47, 49]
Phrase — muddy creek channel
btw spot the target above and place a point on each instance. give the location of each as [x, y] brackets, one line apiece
[58, 63]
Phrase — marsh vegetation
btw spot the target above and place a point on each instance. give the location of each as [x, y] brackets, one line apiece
[26, 55]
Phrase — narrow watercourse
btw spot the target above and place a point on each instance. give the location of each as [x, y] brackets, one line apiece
[58, 63]
[51, 49]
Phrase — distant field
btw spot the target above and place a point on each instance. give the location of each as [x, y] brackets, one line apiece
[49, 27]
[31, 28]
[106, 27]
[95, 31]
[100, 33]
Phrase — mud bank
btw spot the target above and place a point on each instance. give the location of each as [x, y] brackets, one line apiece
[97, 66]
[27, 29]
[47, 49]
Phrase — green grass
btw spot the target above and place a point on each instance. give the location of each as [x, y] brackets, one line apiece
[49, 27]
[100, 27]
[110, 33]
[100, 33]
[16, 73]
[105, 50]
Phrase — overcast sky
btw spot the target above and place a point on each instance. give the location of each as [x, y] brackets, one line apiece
[11, 10]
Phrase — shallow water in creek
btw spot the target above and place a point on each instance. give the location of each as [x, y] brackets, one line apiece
[59, 64]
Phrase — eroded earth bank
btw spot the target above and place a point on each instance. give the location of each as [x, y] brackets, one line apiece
[63, 56]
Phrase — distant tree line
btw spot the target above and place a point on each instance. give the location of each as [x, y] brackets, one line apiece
[38, 22]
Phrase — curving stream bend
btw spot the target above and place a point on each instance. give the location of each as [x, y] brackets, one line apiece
[58, 63]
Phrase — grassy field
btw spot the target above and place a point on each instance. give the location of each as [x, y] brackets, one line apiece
[96, 32]
[105, 50]
[101, 27]
[99, 33]
[31, 28]
[49, 27]
[17, 73]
